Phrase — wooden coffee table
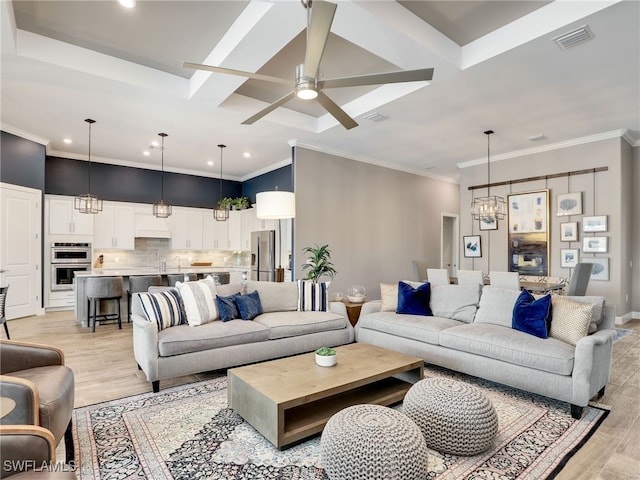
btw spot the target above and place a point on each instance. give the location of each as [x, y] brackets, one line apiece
[290, 399]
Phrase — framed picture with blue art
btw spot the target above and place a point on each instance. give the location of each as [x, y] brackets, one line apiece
[488, 223]
[472, 247]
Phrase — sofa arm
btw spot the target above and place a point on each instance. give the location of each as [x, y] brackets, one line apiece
[370, 307]
[592, 364]
[22, 397]
[25, 447]
[338, 307]
[16, 356]
[145, 346]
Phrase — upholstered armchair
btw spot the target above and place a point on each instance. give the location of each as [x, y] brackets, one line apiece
[36, 403]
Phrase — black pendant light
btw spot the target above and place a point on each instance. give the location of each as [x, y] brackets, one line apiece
[162, 209]
[221, 212]
[88, 203]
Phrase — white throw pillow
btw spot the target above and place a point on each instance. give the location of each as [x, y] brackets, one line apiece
[199, 300]
[496, 306]
[458, 302]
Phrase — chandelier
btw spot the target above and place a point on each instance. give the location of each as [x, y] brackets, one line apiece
[162, 209]
[221, 212]
[88, 203]
[490, 208]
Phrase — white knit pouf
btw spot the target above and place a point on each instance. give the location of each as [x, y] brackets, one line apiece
[371, 442]
[454, 417]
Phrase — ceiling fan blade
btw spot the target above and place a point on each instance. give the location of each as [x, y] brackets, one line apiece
[333, 108]
[270, 108]
[239, 73]
[378, 78]
[317, 34]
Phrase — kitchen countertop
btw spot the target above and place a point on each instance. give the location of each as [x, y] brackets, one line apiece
[128, 271]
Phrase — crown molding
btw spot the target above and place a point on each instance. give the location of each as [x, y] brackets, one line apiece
[631, 140]
[270, 168]
[24, 134]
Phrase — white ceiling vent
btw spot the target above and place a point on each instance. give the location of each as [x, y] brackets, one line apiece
[375, 117]
[574, 37]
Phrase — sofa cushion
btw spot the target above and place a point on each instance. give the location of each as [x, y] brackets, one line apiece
[531, 315]
[249, 305]
[275, 296]
[570, 319]
[414, 327]
[199, 300]
[389, 295]
[228, 307]
[182, 339]
[458, 302]
[596, 316]
[312, 296]
[414, 300]
[292, 324]
[496, 306]
[511, 346]
[163, 308]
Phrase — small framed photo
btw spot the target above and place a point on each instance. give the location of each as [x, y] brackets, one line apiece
[488, 223]
[569, 232]
[570, 204]
[569, 257]
[472, 246]
[594, 224]
[600, 269]
[595, 244]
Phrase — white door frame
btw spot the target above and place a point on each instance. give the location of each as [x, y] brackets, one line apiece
[21, 249]
[455, 250]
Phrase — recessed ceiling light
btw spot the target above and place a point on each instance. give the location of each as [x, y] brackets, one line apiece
[68, 141]
[155, 144]
[247, 155]
[146, 153]
[210, 163]
[127, 3]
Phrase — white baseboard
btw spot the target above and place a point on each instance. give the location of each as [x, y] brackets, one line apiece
[627, 317]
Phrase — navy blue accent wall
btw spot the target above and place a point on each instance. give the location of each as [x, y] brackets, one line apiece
[21, 162]
[139, 185]
[281, 178]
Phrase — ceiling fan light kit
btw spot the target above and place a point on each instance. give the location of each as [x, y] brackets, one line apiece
[306, 85]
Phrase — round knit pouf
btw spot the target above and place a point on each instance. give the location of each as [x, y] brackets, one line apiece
[369, 442]
[454, 417]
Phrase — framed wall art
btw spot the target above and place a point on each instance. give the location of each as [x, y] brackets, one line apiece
[595, 244]
[472, 247]
[594, 224]
[528, 232]
[569, 232]
[488, 223]
[600, 269]
[570, 204]
[569, 257]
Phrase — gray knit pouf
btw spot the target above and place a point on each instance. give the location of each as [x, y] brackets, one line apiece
[454, 417]
[369, 442]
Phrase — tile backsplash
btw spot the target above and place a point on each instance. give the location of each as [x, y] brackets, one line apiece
[148, 251]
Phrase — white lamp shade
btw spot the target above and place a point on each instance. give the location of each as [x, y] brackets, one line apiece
[275, 205]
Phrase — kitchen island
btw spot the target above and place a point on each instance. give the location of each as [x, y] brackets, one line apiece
[81, 307]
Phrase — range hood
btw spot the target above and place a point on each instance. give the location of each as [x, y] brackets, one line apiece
[148, 226]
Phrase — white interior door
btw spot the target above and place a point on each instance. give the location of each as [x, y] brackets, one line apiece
[20, 248]
[449, 243]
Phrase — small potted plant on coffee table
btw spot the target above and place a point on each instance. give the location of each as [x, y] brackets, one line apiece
[326, 357]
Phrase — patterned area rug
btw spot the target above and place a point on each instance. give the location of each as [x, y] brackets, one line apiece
[188, 432]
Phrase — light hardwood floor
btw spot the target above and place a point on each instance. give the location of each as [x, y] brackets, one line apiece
[105, 369]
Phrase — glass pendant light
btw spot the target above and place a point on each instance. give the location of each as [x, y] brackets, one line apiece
[490, 208]
[88, 203]
[220, 212]
[162, 209]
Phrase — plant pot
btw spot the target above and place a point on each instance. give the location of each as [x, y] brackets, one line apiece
[326, 360]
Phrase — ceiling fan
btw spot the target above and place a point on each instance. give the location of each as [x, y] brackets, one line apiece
[307, 85]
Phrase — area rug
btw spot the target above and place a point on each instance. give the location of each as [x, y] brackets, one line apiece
[621, 333]
[188, 432]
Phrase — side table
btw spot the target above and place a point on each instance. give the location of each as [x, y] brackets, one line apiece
[353, 311]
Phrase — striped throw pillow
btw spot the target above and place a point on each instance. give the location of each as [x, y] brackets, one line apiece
[312, 296]
[570, 320]
[163, 308]
[199, 300]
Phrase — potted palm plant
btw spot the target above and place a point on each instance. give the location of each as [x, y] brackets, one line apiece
[318, 263]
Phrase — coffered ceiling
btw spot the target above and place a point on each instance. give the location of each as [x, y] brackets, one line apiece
[496, 66]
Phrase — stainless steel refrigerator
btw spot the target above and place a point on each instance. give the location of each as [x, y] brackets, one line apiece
[263, 255]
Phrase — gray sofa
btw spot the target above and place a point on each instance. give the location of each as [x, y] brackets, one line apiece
[280, 331]
[471, 332]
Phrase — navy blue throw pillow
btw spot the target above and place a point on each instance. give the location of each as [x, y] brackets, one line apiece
[414, 301]
[227, 307]
[249, 305]
[532, 316]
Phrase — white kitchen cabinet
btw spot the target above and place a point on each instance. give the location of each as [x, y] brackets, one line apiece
[215, 234]
[65, 220]
[115, 227]
[186, 226]
[248, 221]
[235, 230]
